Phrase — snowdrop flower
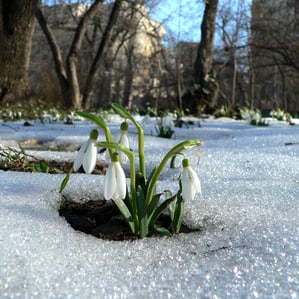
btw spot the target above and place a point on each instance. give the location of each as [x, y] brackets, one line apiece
[167, 122]
[190, 181]
[115, 180]
[256, 116]
[245, 115]
[123, 139]
[87, 155]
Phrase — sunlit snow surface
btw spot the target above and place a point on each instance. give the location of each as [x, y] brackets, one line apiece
[248, 212]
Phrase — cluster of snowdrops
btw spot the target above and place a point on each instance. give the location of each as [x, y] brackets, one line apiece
[139, 204]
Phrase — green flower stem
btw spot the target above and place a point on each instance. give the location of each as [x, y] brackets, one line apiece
[98, 120]
[174, 151]
[130, 154]
[124, 113]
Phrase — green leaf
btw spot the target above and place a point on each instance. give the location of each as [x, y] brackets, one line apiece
[126, 114]
[172, 161]
[160, 231]
[126, 213]
[140, 181]
[44, 167]
[153, 203]
[149, 179]
[65, 180]
[142, 213]
[178, 215]
[99, 121]
[96, 119]
[62, 204]
[158, 211]
[127, 200]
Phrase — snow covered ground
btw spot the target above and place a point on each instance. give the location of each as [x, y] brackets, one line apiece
[249, 213]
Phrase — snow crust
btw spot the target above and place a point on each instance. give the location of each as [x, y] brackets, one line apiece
[248, 212]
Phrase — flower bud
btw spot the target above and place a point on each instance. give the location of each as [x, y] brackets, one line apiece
[94, 134]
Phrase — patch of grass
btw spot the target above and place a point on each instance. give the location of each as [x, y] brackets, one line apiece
[18, 160]
[260, 123]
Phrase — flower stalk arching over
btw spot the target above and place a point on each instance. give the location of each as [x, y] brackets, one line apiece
[174, 151]
[140, 205]
[122, 138]
[125, 114]
[87, 155]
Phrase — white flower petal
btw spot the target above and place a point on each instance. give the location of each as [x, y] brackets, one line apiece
[123, 139]
[167, 122]
[123, 158]
[195, 181]
[79, 158]
[90, 158]
[187, 192]
[118, 138]
[186, 184]
[109, 182]
[190, 184]
[121, 181]
[115, 182]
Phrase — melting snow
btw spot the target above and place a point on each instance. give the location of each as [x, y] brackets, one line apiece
[248, 248]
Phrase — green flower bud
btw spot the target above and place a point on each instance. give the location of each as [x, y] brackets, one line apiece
[186, 163]
[94, 134]
[115, 157]
[124, 126]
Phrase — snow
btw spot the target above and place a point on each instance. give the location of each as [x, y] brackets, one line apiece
[248, 248]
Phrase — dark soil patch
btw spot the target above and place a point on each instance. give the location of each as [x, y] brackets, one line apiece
[99, 218]
[45, 166]
[16, 159]
[103, 220]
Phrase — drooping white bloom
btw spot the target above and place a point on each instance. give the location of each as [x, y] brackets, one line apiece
[123, 139]
[167, 122]
[115, 180]
[87, 155]
[256, 116]
[190, 181]
[245, 115]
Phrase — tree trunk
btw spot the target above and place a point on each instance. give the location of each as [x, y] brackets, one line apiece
[57, 56]
[101, 53]
[251, 80]
[206, 85]
[128, 78]
[67, 73]
[16, 29]
[71, 63]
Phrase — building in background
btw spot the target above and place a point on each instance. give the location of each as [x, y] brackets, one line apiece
[274, 55]
[131, 72]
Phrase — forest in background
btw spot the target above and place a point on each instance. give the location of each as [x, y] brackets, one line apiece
[144, 66]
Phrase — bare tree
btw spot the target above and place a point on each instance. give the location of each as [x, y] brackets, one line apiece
[232, 28]
[16, 28]
[101, 53]
[67, 71]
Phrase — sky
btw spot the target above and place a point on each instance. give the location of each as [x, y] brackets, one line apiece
[181, 18]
